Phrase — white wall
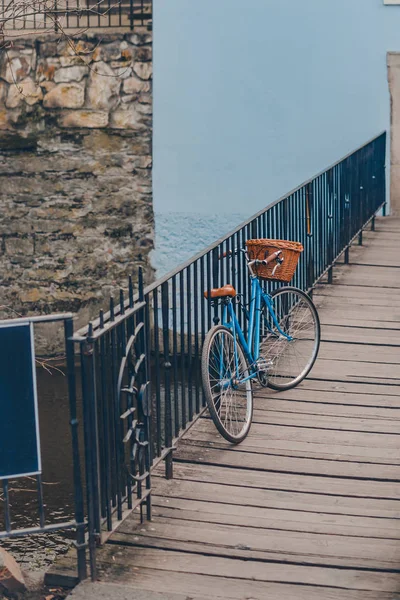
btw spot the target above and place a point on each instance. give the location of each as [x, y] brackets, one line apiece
[254, 96]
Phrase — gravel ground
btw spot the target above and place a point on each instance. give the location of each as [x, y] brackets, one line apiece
[39, 593]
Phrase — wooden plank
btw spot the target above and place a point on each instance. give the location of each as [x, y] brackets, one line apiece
[334, 422]
[384, 309]
[384, 277]
[287, 464]
[338, 290]
[308, 391]
[360, 353]
[267, 518]
[352, 388]
[233, 588]
[359, 312]
[101, 590]
[360, 335]
[318, 435]
[344, 321]
[354, 292]
[251, 543]
[338, 370]
[296, 501]
[319, 406]
[185, 562]
[364, 454]
[288, 481]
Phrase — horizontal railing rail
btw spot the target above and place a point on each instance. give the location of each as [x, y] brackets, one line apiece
[168, 320]
[65, 15]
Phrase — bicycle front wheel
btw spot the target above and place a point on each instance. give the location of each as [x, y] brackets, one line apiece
[226, 385]
[288, 361]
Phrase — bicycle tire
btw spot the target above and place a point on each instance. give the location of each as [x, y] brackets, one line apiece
[223, 336]
[276, 351]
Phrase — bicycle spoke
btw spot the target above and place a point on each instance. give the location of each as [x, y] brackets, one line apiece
[289, 361]
[229, 400]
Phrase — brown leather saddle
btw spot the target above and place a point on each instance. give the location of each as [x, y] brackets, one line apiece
[223, 292]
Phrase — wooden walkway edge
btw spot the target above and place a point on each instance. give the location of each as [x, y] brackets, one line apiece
[307, 507]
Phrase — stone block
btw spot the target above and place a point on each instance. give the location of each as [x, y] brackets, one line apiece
[134, 85]
[126, 117]
[3, 92]
[143, 70]
[65, 95]
[31, 296]
[4, 120]
[103, 85]
[68, 74]
[143, 54]
[16, 69]
[121, 69]
[139, 39]
[76, 60]
[11, 578]
[48, 48]
[90, 119]
[112, 51]
[47, 86]
[46, 69]
[26, 91]
[15, 246]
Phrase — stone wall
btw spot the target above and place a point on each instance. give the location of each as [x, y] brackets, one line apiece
[75, 171]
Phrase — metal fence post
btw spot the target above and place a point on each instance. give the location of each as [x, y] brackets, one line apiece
[310, 256]
[74, 423]
[167, 380]
[91, 449]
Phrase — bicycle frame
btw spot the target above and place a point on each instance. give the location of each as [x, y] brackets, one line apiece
[251, 346]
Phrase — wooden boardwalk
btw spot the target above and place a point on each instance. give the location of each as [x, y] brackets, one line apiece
[307, 507]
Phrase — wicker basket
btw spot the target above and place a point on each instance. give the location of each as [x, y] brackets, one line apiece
[261, 249]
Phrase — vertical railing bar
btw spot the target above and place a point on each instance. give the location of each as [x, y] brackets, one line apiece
[189, 349]
[175, 357]
[182, 348]
[209, 286]
[88, 435]
[167, 379]
[7, 514]
[196, 300]
[157, 377]
[203, 286]
[76, 459]
[42, 518]
[106, 421]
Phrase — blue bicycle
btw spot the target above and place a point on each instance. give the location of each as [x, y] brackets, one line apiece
[280, 349]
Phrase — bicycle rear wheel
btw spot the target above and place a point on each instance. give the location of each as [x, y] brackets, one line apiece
[289, 362]
[230, 402]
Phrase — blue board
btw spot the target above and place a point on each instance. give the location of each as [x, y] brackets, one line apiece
[19, 426]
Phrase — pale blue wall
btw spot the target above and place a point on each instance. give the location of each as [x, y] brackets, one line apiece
[251, 97]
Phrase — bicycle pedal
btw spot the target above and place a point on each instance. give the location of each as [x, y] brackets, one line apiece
[263, 364]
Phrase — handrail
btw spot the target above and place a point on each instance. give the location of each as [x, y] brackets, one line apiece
[202, 253]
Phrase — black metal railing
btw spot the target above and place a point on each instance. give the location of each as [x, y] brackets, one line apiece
[29, 516]
[157, 335]
[325, 214]
[114, 359]
[61, 15]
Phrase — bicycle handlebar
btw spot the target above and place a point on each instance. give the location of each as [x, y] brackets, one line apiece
[274, 256]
